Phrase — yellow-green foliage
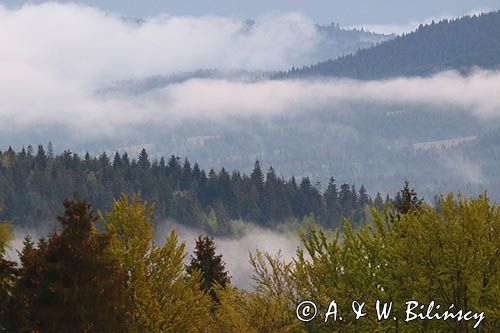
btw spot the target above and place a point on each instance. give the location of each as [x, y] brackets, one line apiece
[5, 236]
[268, 309]
[165, 298]
[449, 256]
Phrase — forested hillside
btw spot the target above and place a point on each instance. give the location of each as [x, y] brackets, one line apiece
[34, 184]
[459, 44]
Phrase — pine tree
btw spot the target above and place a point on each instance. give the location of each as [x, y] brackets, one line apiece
[41, 158]
[186, 175]
[363, 197]
[209, 265]
[173, 165]
[270, 202]
[68, 283]
[117, 161]
[143, 160]
[162, 163]
[125, 159]
[50, 151]
[23, 154]
[332, 202]
[225, 191]
[10, 154]
[196, 172]
[257, 178]
[407, 200]
[378, 202]
[346, 200]
[104, 160]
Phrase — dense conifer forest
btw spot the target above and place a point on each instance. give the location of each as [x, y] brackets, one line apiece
[35, 183]
[459, 44]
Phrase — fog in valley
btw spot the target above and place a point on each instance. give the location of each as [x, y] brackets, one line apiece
[203, 88]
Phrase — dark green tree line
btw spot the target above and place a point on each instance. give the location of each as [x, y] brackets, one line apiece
[35, 183]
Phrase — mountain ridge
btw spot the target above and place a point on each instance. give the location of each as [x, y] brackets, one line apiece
[460, 44]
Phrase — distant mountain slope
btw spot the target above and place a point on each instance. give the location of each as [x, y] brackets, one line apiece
[335, 41]
[459, 44]
[139, 86]
[331, 41]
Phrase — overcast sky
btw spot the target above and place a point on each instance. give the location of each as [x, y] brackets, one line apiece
[345, 12]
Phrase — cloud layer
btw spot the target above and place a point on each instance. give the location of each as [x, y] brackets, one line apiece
[67, 104]
[82, 43]
[54, 57]
[214, 98]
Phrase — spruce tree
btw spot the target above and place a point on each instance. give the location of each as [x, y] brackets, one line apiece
[41, 158]
[186, 175]
[143, 159]
[211, 267]
[257, 178]
[332, 202]
[104, 160]
[407, 199]
[69, 283]
[117, 161]
[50, 151]
[363, 197]
[378, 202]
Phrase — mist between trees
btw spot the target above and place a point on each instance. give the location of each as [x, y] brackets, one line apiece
[235, 249]
[106, 273]
[117, 263]
[113, 268]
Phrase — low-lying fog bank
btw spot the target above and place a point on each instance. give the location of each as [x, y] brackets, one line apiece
[235, 251]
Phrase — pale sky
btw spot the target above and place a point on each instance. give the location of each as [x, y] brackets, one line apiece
[345, 12]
